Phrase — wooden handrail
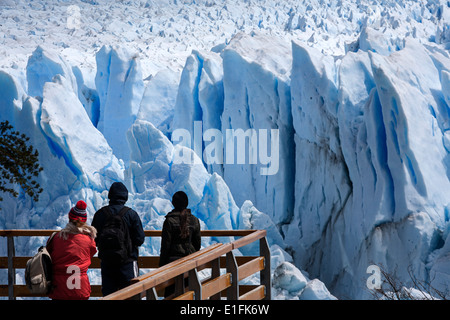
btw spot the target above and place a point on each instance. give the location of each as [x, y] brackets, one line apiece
[252, 237]
[210, 257]
[190, 263]
[195, 254]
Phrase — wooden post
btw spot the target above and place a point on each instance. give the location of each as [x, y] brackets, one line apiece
[264, 274]
[151, 294]
[215, 273]
[195, 284]
[11, 269]
[179, 285]
[232, 267]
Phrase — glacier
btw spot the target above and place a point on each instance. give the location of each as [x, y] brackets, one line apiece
[359, 93]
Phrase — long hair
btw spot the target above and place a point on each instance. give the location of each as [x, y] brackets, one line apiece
[184, 223]
[76, 227]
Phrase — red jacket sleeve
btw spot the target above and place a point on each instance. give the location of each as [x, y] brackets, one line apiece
[93, 248]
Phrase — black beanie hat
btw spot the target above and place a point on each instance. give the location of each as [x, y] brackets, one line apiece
[180, 200]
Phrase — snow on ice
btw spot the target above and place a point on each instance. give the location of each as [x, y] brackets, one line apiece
[358, 92]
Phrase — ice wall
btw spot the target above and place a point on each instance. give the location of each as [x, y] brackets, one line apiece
[250, 92]
[377, 126]
[120, 88]
[363, 154]
[79, 162]
[322, 186]
[158, 101]
[42, 66]
[257, 97]
[200, 99]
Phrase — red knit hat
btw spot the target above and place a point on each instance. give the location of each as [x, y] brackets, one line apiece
[79, 211]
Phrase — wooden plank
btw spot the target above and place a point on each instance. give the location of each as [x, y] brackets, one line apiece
[256, 235]
[243, 289]
[3, 262]
[256, 294]
[189, 295]
[251, 267]
[21, 290]
[152, 233]
[26, 233]
[150, 262]
[3, 290]
[226, 233]
[216, 285]
[20, 262]
[214, 254]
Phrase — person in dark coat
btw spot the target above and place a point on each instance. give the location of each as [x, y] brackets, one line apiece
[180, 234]
[181, 231]
[116, 276]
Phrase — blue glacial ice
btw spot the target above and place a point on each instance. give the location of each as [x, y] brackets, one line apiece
[363, 157]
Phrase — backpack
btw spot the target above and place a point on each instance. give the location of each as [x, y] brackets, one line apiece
[114, 242]
[38, 271]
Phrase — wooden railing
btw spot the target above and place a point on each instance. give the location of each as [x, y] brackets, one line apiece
[151, 285]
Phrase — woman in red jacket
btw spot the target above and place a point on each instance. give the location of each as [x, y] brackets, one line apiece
[71, 250]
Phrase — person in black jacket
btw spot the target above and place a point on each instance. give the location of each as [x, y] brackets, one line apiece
[117, 275]
[180, 234]
[181, 231]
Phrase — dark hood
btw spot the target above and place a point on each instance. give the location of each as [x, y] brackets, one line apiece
[118, 193]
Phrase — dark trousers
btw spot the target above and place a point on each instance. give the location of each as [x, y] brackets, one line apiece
[116, 277]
